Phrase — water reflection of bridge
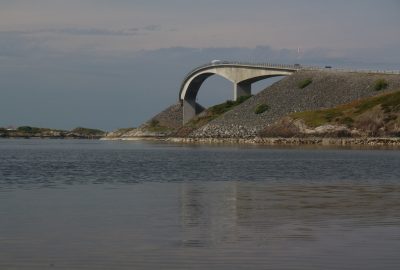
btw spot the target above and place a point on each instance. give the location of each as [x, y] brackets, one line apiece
[228, 212]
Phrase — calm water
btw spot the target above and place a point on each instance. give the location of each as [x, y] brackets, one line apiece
[130, 205]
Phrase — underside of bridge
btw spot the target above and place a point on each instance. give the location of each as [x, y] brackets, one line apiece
[241, 77]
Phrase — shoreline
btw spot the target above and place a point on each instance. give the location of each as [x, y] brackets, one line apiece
[266, 141]
[368, 141]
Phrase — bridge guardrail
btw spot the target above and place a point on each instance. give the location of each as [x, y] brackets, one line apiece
[237, 63]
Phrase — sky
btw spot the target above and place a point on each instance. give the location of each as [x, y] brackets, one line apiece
[110, 64]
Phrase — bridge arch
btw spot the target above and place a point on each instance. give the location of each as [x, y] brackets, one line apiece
[241, 75]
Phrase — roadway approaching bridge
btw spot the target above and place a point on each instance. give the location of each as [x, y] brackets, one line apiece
[242, 75]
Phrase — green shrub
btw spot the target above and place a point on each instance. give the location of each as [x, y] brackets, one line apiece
[380, 84]
[304, 83]
[261, 108]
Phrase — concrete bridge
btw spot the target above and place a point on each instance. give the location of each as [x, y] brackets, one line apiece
[242, 75]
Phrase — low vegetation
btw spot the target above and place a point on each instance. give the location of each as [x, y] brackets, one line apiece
[378, 115]
[124, 130]
[155, 126]
[88, 131]
[381, 84]
[222, 108]
[304, 83]
[318, 118]
[261, 108]
[216, 111]
[31, 130]
[210, 114]
[120, 132]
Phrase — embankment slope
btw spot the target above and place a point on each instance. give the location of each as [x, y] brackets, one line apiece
[327, 89]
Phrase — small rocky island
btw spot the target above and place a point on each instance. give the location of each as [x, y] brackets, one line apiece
[35, 132]
[308, 107]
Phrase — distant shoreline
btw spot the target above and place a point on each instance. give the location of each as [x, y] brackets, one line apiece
[28, 132]
[49, 137]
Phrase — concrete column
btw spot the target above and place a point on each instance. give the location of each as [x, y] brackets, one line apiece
[241, 89]
[189, 110]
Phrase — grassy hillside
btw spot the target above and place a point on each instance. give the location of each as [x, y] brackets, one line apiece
[373, 116]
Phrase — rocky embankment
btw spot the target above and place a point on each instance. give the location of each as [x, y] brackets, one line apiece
[326, 89]
[294, 141]
[165, 124]
[277, 112]
[162, 125]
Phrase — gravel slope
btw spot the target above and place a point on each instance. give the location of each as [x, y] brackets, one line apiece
[328, 89]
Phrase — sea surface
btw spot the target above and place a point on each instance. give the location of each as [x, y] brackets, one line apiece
[81, 204]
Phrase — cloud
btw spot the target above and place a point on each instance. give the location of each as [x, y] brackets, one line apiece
[153, 27]
[134, 31]
[14, 44]
[92, 32]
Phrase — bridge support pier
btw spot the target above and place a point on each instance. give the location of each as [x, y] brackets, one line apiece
[189, 110]
[241, 89]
